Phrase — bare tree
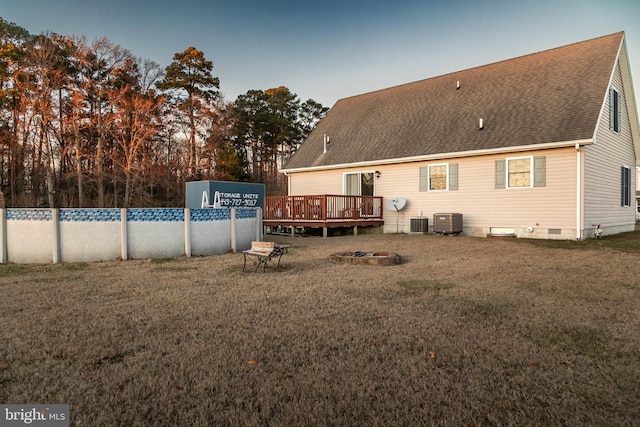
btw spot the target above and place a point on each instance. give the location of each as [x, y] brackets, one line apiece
[102, 65]
[12, 153]
[136, 125]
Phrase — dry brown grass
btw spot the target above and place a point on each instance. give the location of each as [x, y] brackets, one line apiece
[466, 332]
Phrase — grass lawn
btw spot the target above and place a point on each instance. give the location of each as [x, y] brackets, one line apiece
[465, 332]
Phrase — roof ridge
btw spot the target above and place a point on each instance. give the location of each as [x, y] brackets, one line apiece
[619, 33]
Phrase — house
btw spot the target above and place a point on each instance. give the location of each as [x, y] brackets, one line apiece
[540, 146]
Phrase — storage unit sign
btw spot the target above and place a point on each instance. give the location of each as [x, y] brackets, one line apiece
[224, 194]
[233, 200]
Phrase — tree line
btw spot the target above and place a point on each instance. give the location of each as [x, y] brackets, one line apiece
[87, 124]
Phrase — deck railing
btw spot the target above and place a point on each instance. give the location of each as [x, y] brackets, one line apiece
[322, 207]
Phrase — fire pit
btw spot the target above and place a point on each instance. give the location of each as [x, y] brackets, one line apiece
[369, 258]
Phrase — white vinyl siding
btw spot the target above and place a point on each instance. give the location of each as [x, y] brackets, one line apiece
[602, 162]
[319, 182]
[483, 207]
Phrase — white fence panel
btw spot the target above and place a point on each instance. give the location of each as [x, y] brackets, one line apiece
[155, 233]
[210, 231]
[89, 235]
[29, 236]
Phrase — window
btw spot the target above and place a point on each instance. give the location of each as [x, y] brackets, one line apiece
[614, 110]
[625, 186]
[521, 172]
[359, 184]
[439, 177]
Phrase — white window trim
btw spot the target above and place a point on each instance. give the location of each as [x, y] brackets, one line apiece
[446, 178]
[506, 178]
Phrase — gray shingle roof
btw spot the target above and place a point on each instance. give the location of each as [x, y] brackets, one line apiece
[551, 96]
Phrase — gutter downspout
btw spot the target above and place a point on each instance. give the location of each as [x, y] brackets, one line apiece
[578, 193]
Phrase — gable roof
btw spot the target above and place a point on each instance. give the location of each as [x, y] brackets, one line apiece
[552, 96]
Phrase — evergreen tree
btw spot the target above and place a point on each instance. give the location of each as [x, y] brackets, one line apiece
[192, 88]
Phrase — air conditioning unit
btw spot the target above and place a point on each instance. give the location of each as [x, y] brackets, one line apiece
[447, 223]
[419, 225]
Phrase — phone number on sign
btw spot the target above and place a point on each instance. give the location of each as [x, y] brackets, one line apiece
[247, 203]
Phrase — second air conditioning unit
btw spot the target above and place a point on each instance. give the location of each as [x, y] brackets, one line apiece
[447, 223]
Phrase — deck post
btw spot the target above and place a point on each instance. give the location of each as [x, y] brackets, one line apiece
[323, 207]
[324, 231]
[355, 230]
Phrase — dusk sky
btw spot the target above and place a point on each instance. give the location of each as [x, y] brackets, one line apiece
[327, 50]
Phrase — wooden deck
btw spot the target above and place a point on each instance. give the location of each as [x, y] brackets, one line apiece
[323, 211]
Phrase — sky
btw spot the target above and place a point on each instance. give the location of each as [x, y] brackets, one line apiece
[333, 49]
